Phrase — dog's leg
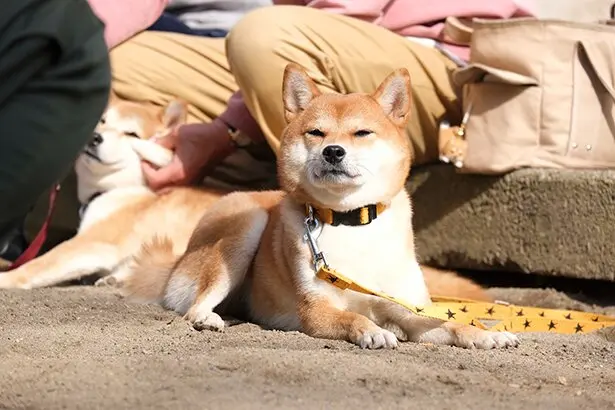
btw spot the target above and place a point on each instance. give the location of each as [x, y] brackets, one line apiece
[120, 273]
[428, 330]
[218, 257]
[216, 280]
[70, 260]
[319, 318]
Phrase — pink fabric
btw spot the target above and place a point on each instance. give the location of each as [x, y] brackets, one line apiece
[125, 18]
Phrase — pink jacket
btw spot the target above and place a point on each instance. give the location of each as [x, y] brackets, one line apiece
[125, 18]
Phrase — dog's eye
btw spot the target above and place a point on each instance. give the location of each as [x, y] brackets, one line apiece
[131, 134]
[362, 133]
[103, 120]
[316, 133]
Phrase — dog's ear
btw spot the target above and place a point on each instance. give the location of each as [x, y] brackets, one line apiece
[395, 96]
[174, 114]
[298, 91]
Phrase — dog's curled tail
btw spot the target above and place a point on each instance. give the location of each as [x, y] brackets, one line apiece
[150, 271]
[448, 283]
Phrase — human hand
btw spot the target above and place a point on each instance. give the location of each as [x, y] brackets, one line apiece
[198, 148]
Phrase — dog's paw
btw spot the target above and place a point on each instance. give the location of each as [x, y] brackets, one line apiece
[484, 339]
[376, 339]
[108, 281]
[212, 321]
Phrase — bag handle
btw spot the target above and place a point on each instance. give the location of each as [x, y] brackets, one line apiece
[601, 57]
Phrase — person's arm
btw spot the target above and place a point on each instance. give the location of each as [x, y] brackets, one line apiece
[125, 18]
[238, 117]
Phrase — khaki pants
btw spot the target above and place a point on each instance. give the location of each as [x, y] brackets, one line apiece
[341, 54]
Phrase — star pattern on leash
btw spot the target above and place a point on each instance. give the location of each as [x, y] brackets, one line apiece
[450, 314]
[464, 309]
[552, 325]
[520, 313]
[526, 324]
[490, 311]
[578, 328]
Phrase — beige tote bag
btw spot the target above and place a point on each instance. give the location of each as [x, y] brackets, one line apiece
[538, 93]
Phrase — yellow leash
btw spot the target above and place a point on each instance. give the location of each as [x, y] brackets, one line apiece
[510, 318]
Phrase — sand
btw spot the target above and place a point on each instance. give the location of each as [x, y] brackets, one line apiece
[85, 348]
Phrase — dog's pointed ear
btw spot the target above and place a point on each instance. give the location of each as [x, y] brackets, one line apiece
[395, 96]
[298, 91]
[174, 114]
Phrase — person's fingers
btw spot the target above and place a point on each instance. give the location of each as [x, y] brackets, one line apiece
[160, 178]
[168, 140]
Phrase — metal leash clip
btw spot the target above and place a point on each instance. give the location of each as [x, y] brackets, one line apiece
[313, 228]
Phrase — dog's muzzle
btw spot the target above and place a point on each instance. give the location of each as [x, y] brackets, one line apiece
[92, 147]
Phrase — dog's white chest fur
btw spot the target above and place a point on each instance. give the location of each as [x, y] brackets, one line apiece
[378, 256]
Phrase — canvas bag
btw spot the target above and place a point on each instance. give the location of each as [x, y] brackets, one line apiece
[538, 93]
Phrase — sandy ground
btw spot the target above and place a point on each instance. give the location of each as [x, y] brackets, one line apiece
[84, 348]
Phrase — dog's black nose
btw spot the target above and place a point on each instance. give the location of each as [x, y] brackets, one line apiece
[96, 140]
[333, 154]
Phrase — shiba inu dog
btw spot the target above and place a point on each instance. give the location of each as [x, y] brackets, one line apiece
[342, 167]
[119, 213]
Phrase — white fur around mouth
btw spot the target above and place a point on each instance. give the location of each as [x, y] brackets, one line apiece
[89, 154]
[333, 173]
[93, 156]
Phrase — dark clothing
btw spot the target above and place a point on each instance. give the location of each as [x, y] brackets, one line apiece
[55, 85]
[170, 23]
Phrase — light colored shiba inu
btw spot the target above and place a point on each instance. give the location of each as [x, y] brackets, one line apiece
[119, 212]
[342, 167]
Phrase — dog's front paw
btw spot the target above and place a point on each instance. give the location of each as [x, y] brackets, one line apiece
[211, 321]
[474, 338]
[376, 338]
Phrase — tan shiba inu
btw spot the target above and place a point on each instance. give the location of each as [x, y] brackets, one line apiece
[119, 212]
[343, 164]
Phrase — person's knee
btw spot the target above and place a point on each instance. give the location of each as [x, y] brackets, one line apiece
[255, 38]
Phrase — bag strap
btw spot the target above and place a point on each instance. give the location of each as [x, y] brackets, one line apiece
[458, 31]
[37, 244]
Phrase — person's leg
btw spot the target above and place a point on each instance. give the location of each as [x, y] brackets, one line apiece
[341, 54]
[159, 67]
[55, 84]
